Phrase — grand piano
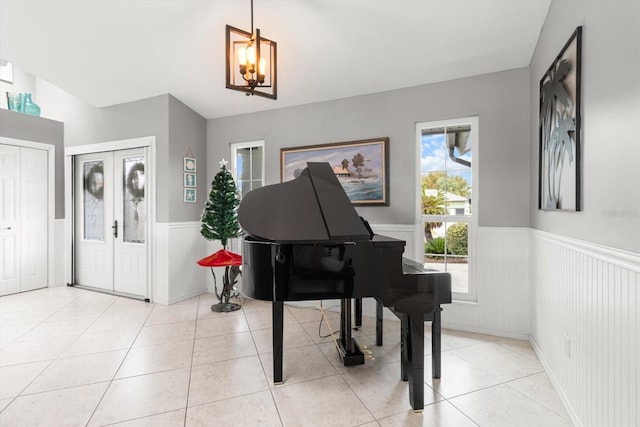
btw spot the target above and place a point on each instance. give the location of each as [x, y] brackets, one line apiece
[305, 241]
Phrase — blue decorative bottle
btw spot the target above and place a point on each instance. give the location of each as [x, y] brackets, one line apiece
[29, 106]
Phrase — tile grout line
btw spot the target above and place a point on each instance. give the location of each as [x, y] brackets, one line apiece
[529, 397]
[51, 361]
[193, 348]
[264, 371]
[121, 362]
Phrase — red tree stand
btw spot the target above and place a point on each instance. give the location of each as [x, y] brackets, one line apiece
[231, 263]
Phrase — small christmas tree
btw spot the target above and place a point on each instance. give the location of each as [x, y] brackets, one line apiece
[220, 216]
[220, 222]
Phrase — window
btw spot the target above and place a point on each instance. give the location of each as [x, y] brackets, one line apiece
[446, 198]
[247, 165]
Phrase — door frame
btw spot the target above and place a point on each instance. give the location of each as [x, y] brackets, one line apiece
[51, 197]
[149, 144]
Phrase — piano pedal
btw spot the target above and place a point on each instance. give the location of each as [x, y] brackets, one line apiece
[368, 354]
[351, 356]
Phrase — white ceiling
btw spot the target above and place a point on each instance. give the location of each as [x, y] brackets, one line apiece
[113, 51]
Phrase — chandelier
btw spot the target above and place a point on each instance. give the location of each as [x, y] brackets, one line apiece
[251, 62]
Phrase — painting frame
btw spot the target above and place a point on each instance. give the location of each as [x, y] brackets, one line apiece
[189, 164]
[190, 179]
[365, 179]
[6, 71]
[190, 195]
[560, 124]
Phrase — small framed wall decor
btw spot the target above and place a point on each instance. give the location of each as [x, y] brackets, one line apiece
[189, 195]
[189, 179]
[189, 164]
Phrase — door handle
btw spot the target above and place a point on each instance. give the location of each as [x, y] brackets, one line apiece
[6, 228]
[115, 229]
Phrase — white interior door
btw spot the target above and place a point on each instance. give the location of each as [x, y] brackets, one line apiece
[33, 218]
[111, 221]
[23, 219]
[93, 220]
[130, 212]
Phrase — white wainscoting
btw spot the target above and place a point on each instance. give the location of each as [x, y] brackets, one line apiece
[59, 255]
[177, 276]
[586, 327]
[499, 274]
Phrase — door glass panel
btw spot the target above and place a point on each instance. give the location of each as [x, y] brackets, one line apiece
[134, 204]
[93, 195]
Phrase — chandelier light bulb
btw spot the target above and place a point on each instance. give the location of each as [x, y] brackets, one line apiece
[251, 53]
[242, 56]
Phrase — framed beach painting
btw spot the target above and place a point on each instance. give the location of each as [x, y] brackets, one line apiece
[560, 122]
[362, 167]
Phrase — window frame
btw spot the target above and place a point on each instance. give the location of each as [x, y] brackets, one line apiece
[234, 147]
[472, 220]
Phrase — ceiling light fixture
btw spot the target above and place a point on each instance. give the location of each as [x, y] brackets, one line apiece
[251, 62]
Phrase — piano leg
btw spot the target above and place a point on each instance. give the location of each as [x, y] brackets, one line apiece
[357, 303]
[412, 366]
[436, 343]
[278, 322]
[349, 351]
[379, 308]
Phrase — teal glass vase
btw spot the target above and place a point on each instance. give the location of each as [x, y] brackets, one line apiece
[29, 106]
[14, 101]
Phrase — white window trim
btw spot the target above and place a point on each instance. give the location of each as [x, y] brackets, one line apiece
[235, 146]
[472, 294]
[235, 244]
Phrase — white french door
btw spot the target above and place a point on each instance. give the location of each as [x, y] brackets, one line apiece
[23, 219]
[111, 221]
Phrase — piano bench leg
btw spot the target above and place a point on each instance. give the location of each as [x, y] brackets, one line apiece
[278, 322]
[405, 344]
[436, 344]
[413, 359]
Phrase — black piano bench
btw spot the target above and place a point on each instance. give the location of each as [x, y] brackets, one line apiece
[406, 335]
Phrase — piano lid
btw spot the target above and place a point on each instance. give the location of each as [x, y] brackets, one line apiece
[313, 207]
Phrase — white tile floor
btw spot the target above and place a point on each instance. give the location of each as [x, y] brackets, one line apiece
[73, 357]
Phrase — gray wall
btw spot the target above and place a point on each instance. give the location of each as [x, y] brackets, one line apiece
[610, 119]
[501, 101]
[36, 129]
[175, 126]
[147, 117]
[187, 130]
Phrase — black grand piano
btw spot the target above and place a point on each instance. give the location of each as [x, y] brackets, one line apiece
[305, 241]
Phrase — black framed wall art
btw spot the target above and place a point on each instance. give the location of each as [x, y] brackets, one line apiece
[559, 176]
